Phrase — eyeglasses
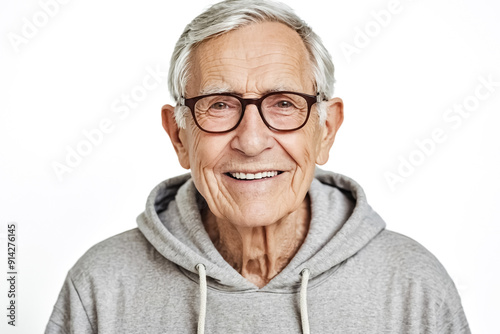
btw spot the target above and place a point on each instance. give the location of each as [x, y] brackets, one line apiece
[280, 111]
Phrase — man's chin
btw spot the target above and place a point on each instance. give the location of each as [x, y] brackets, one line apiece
[258, 215]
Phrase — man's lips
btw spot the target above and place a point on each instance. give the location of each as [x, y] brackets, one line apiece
[253, 176]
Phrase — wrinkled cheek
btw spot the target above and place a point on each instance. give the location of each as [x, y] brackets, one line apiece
[203, 179]
[211, 182]
[210, 186]
[220, 200]
[200, 177]
[304, 172]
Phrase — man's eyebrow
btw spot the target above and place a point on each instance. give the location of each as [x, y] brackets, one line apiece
[281, 88]
[226, 90]
[217, 90]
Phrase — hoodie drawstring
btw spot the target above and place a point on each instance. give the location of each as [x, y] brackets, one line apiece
[203, 297]
[303, 301]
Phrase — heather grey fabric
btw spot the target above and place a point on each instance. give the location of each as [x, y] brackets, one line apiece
[364, 278]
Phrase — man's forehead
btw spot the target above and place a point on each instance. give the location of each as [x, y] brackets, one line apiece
[261, 57]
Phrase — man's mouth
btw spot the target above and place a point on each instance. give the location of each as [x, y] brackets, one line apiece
[253, 176]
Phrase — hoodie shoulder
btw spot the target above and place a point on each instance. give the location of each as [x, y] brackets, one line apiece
[115, 254]
[414, 278]
[404, 249]
[409, 261]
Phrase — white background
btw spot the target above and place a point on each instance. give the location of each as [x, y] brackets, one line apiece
[396, 89]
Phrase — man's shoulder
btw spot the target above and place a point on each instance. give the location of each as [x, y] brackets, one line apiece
[115, 254]
[118, 244]
[399, 255]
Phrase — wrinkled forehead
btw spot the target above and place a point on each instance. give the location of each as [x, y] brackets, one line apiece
[257, 58]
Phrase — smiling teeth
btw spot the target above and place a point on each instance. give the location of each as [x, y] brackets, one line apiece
[250, 176]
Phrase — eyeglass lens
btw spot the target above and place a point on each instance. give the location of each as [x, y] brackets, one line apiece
[282, 111]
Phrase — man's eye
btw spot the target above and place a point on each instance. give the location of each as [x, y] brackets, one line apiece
[284, 104]
[219, 106]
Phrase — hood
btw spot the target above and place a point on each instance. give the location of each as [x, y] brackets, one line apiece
[342, 223]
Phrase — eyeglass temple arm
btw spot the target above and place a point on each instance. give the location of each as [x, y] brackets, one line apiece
[320, 97]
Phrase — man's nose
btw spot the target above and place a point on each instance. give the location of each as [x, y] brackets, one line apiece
[252, 136]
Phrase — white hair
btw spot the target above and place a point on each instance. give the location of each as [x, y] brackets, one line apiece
[230, 15]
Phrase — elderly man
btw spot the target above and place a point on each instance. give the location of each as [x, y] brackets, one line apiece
[256, 239]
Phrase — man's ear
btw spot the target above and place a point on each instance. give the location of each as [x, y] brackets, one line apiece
[173, 130]
[334, 118]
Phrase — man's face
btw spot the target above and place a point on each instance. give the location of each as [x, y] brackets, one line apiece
[251, 62]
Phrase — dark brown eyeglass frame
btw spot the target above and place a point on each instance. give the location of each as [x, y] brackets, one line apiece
[310, 99]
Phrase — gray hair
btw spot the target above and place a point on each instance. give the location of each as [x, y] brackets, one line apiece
[230, 15]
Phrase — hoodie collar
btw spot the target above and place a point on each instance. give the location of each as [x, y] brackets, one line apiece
[342, 223]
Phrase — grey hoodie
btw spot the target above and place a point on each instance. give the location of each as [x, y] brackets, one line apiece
[349, 276]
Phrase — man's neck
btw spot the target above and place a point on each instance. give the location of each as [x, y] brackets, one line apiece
[259, 253]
